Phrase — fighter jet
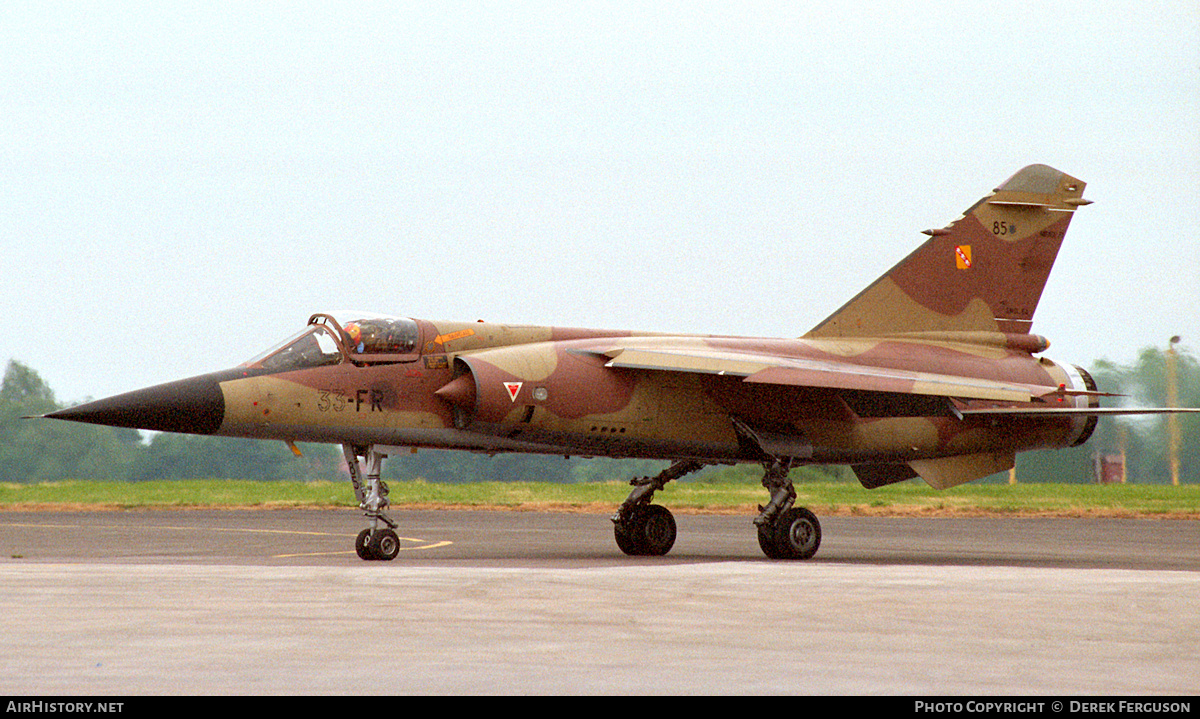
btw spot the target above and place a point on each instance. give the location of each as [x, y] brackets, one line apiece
[930, 372]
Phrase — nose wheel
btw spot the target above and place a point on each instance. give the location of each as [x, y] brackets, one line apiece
[377, 544]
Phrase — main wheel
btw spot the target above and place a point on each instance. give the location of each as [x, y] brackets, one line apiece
[797, 535]
[648, 531]
[385, 544]
[659, 530]
[628, 534]
[766, 541]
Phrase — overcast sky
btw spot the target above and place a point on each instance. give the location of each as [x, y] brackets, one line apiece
[182, 186]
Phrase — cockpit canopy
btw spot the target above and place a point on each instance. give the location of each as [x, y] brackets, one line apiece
[367, 339]
[381, 335]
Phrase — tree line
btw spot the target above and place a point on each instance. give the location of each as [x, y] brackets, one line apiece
[34, 450]
[1141, 441]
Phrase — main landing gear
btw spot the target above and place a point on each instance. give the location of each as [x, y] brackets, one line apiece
[644, 529]
[375, 542]
[784, 531]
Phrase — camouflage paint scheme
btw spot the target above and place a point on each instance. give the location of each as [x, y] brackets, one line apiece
[930, 371]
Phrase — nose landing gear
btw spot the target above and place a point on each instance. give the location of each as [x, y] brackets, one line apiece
[375, 542]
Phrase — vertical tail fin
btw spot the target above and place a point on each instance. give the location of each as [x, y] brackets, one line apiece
[984, 272]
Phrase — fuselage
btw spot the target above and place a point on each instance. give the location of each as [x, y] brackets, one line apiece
[502, 388]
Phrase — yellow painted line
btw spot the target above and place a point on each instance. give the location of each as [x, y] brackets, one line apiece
[249, 530]
[435, 545]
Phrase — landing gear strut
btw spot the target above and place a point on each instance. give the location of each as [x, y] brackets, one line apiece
[375, 542]
[785, 531]
[644, 529]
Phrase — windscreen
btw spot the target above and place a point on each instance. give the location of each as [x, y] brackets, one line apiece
[313, 347]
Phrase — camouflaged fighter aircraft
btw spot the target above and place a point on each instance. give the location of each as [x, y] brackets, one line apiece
[929, 372]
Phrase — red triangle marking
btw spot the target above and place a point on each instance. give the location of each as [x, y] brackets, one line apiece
[513, 388]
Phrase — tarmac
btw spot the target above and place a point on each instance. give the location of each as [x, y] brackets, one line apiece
[501, 603]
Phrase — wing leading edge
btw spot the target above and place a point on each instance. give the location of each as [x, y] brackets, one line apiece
[1020, 400]
[800, 372]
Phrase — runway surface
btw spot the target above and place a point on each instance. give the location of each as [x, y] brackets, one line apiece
[276, 602]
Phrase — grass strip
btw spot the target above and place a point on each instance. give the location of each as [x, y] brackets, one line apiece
[824, 497]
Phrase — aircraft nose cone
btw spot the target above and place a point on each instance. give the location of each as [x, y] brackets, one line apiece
[195, 406]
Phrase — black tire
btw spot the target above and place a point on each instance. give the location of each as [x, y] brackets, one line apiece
[628, 533]
[658, 530]
[385, 545]
[767, 542]
[797, 534]
[648, 531]
[362, 545]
